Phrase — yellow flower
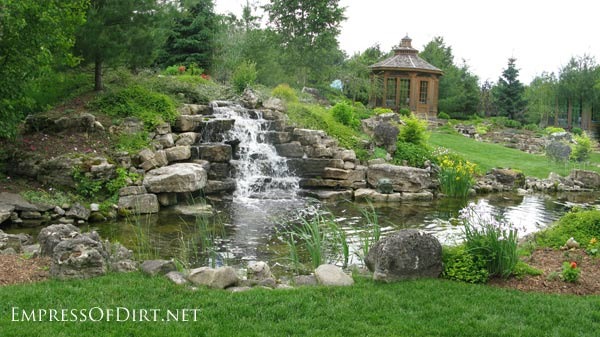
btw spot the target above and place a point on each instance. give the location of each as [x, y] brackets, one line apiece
[593, 241]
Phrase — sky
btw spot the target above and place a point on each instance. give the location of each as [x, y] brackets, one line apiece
[541, 35]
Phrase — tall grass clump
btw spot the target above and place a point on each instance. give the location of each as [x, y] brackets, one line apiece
[490, 240]
[244, 76]
[370, 233]
[456, 175]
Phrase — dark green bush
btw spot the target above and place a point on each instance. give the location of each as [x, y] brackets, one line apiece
[194, 89]
[404, 112]
[414, 155]
[136, 101]
[344, 113]
[461, 266]
[581, 225]
[532, 127]
[443, 115]
[577, 131]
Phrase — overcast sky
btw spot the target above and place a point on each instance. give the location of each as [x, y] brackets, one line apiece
[541, 35]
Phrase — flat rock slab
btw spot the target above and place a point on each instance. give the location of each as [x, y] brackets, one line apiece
[182, 177]
[193, 210]
[16, 201]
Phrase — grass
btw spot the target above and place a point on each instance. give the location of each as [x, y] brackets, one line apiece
[410, 308]
[488, 156]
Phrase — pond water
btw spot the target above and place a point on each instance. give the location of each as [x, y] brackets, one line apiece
[245, 230]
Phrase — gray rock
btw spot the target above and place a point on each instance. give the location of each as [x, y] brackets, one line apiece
[8, 251]
[10, 202]
[274, 104]
[305, 280]
[250, 99]
[193, 210]
[403, 178]
[239, 289]
[217, 186]
[259, 271]
[365, 194]
[158, 160]
[158, 267]
[330, 275]
[10, 241]
[187, 123]
[139, 204]
[406, 254]
[219, 278]
[176, 277]
[182, 177]
[214, 152]
[78, 258]
[336, 173]
[165, 140]
[78, 212]
[291, 150]
[312, 167]
[214, 130]
[588, 179]
[178, 153]
[31, 215]
[167, 199]
[328, 195]
[132, 190]
[558, 150]
[187, 138]
[52, 235]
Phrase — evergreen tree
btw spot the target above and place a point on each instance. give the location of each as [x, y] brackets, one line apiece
[510, 92]
[120, 32]
[192, 36]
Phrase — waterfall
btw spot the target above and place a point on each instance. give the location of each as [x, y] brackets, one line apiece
[260, 172]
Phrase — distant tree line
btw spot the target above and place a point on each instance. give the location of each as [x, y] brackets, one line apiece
[285, 41]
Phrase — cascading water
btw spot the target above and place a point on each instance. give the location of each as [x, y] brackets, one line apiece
[260, 172]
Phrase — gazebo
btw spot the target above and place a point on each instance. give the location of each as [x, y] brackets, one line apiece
[406, 81]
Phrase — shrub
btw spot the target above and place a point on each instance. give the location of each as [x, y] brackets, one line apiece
[244, 76]
[583, 226]
[404, 112]
[492, 241]
[414, 155]
[570, 272]
[285, 92]
[380, 111]
[456, 175]
[414, 131]
[380, 153]
[460, 265]
[171, 71]
[505, 122]
[344, 113]
[532, 127]
[582, 148]
[577, 131]
[443, 115]
[553, 129]
[136, 101]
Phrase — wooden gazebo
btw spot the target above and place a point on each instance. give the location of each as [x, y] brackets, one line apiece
[406, 81]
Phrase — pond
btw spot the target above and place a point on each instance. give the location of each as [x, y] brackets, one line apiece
[245, 230]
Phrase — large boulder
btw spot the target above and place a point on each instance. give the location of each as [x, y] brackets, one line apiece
[589, 179]
[403, 178]
[139, 203]
[79, 258]
[508, 177]
[49, 237]
[406, 254]
[183, 177]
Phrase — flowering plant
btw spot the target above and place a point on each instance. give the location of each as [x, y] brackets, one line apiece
[456, 175]
[593, 248]
[570, 272]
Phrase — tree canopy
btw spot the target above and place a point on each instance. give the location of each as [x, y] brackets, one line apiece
[34, 35]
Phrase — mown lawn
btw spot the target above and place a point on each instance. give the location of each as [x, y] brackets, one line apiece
[410, 308]
[489, 155]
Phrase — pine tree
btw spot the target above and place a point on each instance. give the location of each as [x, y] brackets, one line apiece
[509, 93]
[192, 37]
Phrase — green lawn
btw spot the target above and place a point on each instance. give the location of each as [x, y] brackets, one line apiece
[488, 155]
[410, 308]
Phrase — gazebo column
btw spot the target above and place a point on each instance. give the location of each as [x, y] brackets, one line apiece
[414, 92]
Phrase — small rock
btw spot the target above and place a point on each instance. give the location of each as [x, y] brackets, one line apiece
[330, 275]
[177, 277]
[305, 280]
[219, 278]
[259, 271]
[95, 207]
[158, 267]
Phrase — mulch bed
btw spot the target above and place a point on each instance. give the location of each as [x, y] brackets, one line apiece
[550, 262]
[15, 269]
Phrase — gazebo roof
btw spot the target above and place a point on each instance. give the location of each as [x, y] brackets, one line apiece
[406, 58]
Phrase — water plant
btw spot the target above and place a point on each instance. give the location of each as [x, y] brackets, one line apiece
[370, 233]
[456, 175]
[490, 239]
